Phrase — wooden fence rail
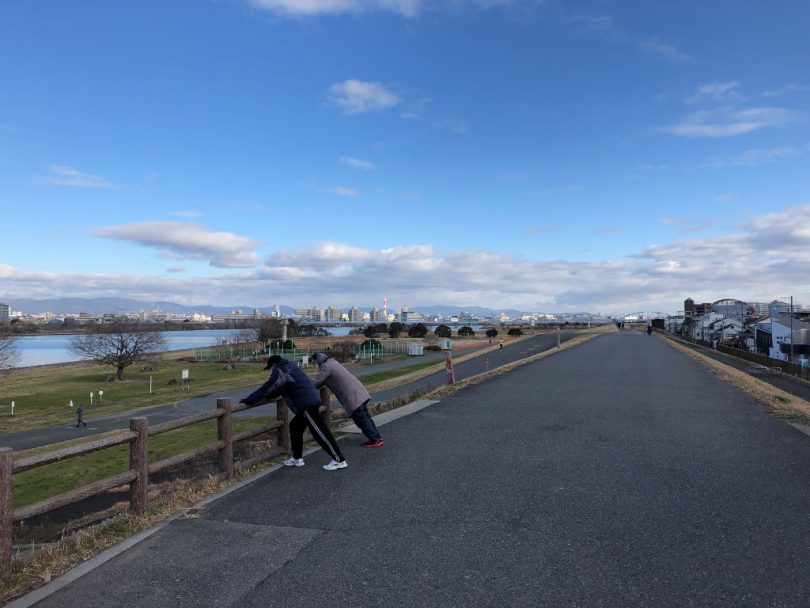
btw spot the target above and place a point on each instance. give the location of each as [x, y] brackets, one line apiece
[140, 469]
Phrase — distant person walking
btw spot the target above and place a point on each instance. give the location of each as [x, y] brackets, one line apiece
[500, 343]
[288, 381]
[352, 395]
[80, 416]
[649, 329]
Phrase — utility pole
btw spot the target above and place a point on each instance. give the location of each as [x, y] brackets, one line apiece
[791, 329]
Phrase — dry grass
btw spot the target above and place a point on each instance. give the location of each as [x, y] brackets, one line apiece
[784, 404]
[169, 499]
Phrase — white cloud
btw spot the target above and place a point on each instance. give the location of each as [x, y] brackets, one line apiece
[343, 191]
[407, 8]
[455, 125]
[767, 256]
[185, 213]
[176, 269]
[729, 123]
[188, 241]
[61, 175]
[533, 231]
[513, 175]
[785, 90]
[751, 158]
[727, 197]
[658, 47]
[357, 96]
[716, 92]
[356, 163]
[668, 221]
[559, 190]
[596, 23]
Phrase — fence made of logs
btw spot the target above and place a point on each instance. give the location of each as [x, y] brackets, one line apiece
[140, 469]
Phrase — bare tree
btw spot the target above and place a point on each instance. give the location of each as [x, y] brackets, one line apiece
[9, 355]
[269, 330]
[120, 344]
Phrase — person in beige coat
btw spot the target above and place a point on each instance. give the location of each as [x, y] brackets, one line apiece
[352, 395]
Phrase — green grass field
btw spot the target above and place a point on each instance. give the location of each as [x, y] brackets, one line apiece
[41, 394]
[370, 379]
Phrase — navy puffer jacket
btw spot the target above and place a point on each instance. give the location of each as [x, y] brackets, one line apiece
[288, 381]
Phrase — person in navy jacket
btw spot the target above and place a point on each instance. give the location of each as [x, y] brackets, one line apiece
[288, 381]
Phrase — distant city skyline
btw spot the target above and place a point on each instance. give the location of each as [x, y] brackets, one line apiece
[509, 154]
[111, 306]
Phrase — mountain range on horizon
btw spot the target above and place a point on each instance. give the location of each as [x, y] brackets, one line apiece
[63, 306]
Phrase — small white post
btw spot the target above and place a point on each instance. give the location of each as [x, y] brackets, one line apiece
[12, 408]
[91, 397]
[100, 395]
[150, 385]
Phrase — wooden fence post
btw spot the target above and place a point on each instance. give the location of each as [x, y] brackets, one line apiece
[6, 527]
[283, 432]
[225, 433]
[139, 462]
[326, 400]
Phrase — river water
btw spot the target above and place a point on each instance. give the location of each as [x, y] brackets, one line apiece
[42, 350]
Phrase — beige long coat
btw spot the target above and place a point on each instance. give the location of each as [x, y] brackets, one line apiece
[349, 390]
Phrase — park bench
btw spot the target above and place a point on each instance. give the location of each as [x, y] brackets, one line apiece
[757, 368]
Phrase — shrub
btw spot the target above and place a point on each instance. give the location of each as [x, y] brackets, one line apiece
[443, 331]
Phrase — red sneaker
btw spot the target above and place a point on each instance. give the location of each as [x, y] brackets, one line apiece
[373, 444]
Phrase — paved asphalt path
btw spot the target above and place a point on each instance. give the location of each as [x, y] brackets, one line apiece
[618, 473]
[102, 424]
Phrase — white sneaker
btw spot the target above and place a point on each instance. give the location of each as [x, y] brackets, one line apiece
[334, 465]
[294, 462]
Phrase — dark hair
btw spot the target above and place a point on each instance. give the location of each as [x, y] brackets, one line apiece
[271, 361]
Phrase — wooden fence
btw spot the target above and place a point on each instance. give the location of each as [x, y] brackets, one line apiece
[140, 469]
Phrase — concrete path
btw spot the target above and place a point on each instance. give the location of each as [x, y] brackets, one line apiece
[24, 440]
[617, 473]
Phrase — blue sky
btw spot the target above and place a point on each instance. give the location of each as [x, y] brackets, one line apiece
[609, 156]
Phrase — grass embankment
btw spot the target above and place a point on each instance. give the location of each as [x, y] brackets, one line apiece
[790, 408]
[41, 394]
[370, 379]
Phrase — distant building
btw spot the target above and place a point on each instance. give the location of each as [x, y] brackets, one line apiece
[4, 313]
[773, 337]
[378, 316]
[310, 315]
[332, 314]
[355, 315]
[777, 308]
[689, 308]
[761, 309]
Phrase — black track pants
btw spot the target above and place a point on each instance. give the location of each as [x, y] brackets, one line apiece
[311, 419]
